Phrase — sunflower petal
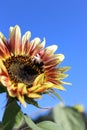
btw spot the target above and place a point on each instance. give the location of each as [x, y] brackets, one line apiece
[12, 91]
[2, 67]
[57, 95]
[36, 40]
[21, 99]
[39, 80]
[52, 48]
[15, 39]
[67, 83]
[37, 49]
[61, 57]
[25, 40]
[32, 45]
[26, 37]
[64, 69]
[41, 89]
[62, 76]
[22, 88]
[50, 85]
[34, 95]
[3, 37]
[43, 42]
[33, 88]
[4, 50]
[5, 80]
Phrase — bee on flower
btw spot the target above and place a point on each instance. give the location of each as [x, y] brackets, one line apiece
[27, 68]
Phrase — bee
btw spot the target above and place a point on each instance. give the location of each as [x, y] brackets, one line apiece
[37, 59]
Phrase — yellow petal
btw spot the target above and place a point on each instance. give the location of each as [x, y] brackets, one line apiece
[50, 85]
[41, 89]
[22, 87]
[39, 80]
[64, 69]
[67, 83]
[12, 91]
[2, 67]
[33, 88]
[21, 99]
[3, 37]
[60, 87]
[62, 76]
[34, 95]
[5, 81]
[60, 57]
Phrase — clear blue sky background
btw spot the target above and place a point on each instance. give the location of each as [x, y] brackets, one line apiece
[62, 22]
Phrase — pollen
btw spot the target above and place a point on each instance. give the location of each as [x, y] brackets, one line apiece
[22, 69]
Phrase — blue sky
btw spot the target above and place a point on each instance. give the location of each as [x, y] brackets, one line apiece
[61, 22]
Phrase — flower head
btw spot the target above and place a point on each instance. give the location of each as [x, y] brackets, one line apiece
[27, 69]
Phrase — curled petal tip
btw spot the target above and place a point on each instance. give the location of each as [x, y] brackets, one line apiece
[36, 40]
[28, 34]
[44, 42]
[61, 57]
[21, 99]
[53, 48]
[3, 37]
[11, 29]
[26, 37]
[24, 104]
[67, 83]
[17, 27]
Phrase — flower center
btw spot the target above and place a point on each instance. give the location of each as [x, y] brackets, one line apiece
[23, 69]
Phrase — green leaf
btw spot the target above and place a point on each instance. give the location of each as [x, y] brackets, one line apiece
[13, 116]
[32, 101]
[31, 124]
[2, 88]
[48, 125]
[1, 126]
[68, 118]
[45, 125]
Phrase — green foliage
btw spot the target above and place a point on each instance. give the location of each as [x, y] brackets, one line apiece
[69, 118]
[30, 123]
[31, 101]
[48, 125]
[2, 88]
[45, 125]
[13, 116]
[0, 126]
[63, 118]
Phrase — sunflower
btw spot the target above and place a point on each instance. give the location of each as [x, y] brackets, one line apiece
[27, 68]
